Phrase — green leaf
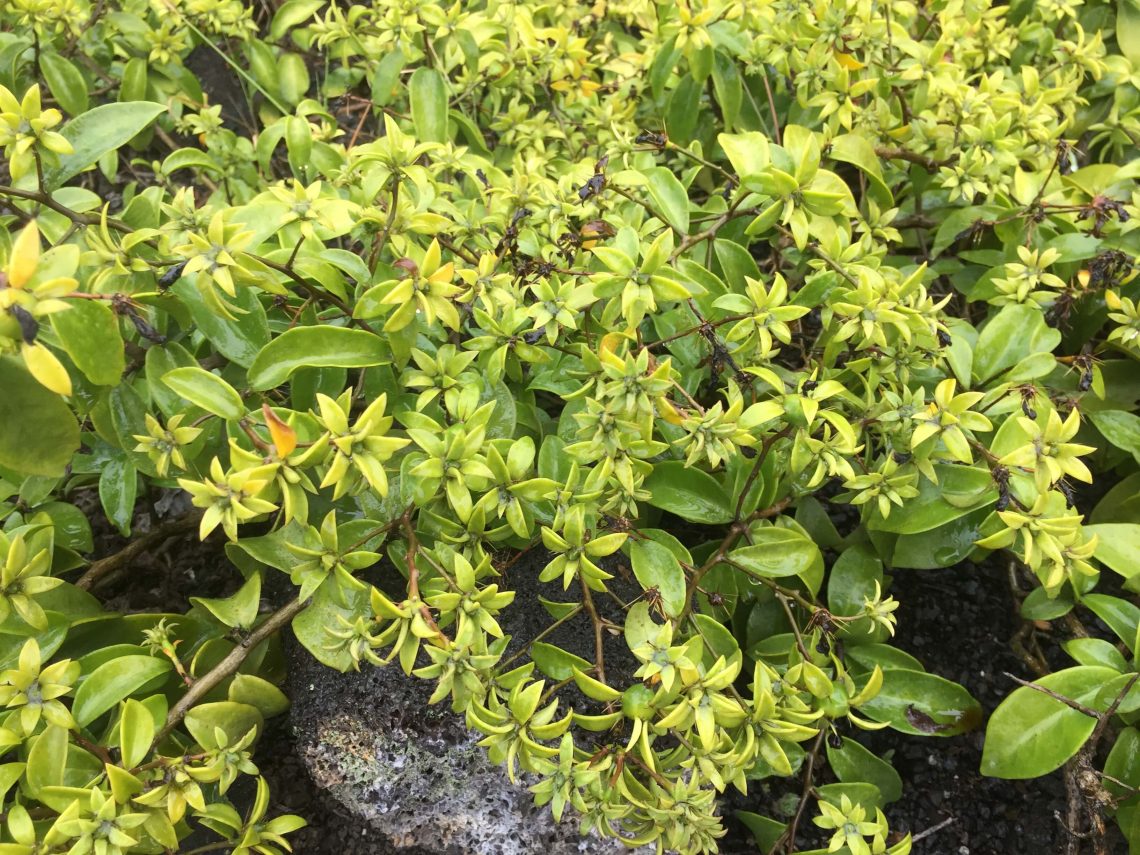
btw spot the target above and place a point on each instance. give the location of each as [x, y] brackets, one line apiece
[258, 693]
[776, 553]
[1123, 763]
[718, 639]
[689, 493]
[1095, 651]
[386, 76]
[655, 566]
[38, 433]
[234, 719]
[684, 110]
[207, 390]
[159, 361]
[47, 760]
[960, 490]
[640, 628]
[239, 339]
[728, 87]
[98, 132]
[236, 611]
[113, 681]
[320, 346]
[669, 197]
[1030, 733]
[65, 82]
[765, 830]
[923, 704]
[852, 579]
[857, 150]
[556, 663]
[1118, 547]
[1040, 606]
[1128, 29]
[1120, 428]
[292, 14]
[1121, 616]
[118, 489]
[1121, 504]
[427, 91]
[136, 733]
[852, 763]
[943, 546]
[312, 625]
[867, 656]
[748, 153]
[862, 793]
[1013, 334]
[72, 528]
[89, 332]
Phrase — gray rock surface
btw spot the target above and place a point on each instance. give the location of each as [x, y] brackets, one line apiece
[412, 773]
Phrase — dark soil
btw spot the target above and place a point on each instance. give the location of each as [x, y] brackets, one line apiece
[959, 622]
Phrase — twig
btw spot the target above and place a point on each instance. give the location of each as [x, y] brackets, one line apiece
[928, 163]
[787, 841]
[1069, 702]
[47, 201]
[229, 665]
[599, 652]
[103, 566]
[950, 820]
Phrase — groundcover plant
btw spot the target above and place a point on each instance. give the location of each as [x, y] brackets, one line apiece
[735, 308]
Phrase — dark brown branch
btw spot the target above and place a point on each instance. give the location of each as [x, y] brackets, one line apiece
[101, 568]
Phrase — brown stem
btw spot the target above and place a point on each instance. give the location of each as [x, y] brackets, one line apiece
[229, 665]
[787, 841]
[1069, 702]
[99, 569]
[319, 296]
[928, 163]
[599, 653]
[47, 201]
[735, 531]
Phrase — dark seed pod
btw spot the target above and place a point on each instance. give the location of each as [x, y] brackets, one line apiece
[29, 326]
[145, 329]
[171, 276]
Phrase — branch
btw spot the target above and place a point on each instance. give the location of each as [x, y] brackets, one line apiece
[1069, 702]
[787, 841]
[599, 652]
[229, 665]
[101, 568]
[928, 163]
[47, 201]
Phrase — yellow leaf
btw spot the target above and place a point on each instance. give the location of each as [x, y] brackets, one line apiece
[849, 62]
[25, 256]
[48, 370]
[668, 412]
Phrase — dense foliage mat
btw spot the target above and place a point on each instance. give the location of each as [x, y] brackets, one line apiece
[730, 310]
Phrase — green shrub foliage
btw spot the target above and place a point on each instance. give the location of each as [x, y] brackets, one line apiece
[750, 304]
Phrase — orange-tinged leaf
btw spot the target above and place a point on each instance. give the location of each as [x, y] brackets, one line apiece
[283, 436]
